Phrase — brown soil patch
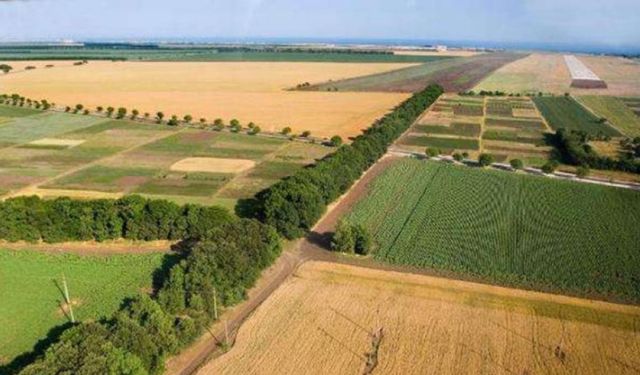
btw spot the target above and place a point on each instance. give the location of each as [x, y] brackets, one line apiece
[214, 165]
[321, 321]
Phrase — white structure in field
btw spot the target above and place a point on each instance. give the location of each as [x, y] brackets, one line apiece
[581, 75]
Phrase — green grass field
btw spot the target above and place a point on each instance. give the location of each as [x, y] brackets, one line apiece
[615, 111]
[508, 228]
[30, 290]
[565, 112]
[441, 143]
[44, 124]
[456, 128]
[11, 111]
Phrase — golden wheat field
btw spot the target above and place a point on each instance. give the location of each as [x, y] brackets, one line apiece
[321, 320]
[248, 91]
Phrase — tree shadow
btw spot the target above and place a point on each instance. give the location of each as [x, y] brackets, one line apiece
[19, 362]
[322, 240]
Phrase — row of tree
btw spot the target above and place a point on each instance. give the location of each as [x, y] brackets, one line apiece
[574, 149]
[215, 271]
[293, 205]
[131, 217]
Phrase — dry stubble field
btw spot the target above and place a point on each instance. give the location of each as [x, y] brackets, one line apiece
[247, 91]
[548, 73]
[319, 321]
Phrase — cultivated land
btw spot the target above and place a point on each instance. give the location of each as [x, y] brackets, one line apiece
[321, 320]
[456, 74]
[32, 292]
[565, 112]
[527, 231]
[57, 154]
[505, 127]
[548, 73]
[247, 91]
[617, 113]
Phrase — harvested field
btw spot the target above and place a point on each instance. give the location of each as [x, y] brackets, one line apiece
[213, 165]
[519, 230]
[452, 53]
[581, 76]
[247, 91]
[565, 112]
[64, 143]
[322, 320]
[615, 111]
[454, 75]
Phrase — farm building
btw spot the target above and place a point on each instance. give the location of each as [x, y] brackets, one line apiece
[581, 76]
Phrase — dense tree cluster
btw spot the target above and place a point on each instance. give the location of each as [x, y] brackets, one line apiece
[574, 149]
[131, 217]
[215, 271]
[294, 205]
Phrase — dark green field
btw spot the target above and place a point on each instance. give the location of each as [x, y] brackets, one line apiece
[565, 112]
[519, 230]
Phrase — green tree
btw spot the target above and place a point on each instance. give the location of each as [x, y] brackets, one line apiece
[255, 130]
[159, 117]
[99, 109]
[362, 238]
[110, 111]
[516, 164]
[187, 118]
[122, 112]
[286, 130]
[305, 134]
[432, 152]
[343, 239]
[457, 156]
[485, 159]
[173, 121]
[134, 114]
[550, 167]
[582, 172]
[5, 68]
[335, 141]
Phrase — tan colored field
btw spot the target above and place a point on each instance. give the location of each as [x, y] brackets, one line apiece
[248, 91]
[57, 142]
[320, 321]
[548, 73]
[213, 165]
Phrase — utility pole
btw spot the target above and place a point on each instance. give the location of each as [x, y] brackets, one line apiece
[215, 305]
[67, 299]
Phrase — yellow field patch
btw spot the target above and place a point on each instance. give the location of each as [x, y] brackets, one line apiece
[213, 165]
[247, 91]
[57, 142]
[322, 321]
[520, 112]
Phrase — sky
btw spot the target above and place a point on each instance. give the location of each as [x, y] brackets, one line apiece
[587, 22]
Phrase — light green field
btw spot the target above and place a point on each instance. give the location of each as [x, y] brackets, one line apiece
[615, 111]
[520, 230]
[11, 111]
[44, 124]
[31, 291]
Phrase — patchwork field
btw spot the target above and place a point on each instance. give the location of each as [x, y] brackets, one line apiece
[458, 74]
[615, 111]
[32, 292]
[521, 230]
[247, 91]
[53, 154]
[548, 73]
[565, 112]
[505, 127]
[323, 320]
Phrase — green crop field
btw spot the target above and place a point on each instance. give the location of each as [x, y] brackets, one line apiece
[456, 128]
[442, 143]
[615, 111]
[10, 111]
[519, 230]
[565, 112]
[31, 291]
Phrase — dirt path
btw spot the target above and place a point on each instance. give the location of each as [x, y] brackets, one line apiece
[116, 247]
[33, 189]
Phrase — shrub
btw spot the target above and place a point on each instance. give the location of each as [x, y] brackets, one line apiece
[343, 239]
[485, 160]
[432, 152]
[286, 130]
[457, 156]
[516, 164]
[550, 167]
[582, 172]
[335, 141]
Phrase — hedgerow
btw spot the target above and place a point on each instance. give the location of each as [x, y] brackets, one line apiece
[294, 205]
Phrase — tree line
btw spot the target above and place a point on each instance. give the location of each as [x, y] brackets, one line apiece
[131, 217]
[295, 204]
[573, 147]
[214, 271]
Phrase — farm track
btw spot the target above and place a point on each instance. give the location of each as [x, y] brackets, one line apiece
[93, 248]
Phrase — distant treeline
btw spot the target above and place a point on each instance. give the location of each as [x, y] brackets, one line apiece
[132, 217]
[574, 149]
[295, 204]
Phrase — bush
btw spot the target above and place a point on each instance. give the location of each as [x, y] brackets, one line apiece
[335, 141]
[485, 160]
[516, 164]
[550, 167]
[457, 156]
[432, 152]
[582, 172]
[363, 241]
[343, 239]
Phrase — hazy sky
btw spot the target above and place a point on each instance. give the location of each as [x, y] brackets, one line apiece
[605, 22]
